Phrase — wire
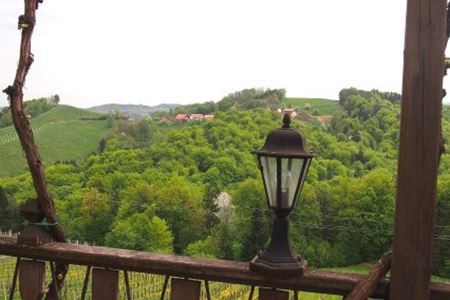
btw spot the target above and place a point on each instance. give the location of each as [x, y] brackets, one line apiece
[332, 226]
[345, 228]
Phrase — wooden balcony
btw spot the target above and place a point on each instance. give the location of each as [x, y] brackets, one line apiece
[194, 268]
[421, 143]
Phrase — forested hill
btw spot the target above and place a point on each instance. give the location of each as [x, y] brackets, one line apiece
[163, 196]
[241, 100]
[272, 99]
[33, 108]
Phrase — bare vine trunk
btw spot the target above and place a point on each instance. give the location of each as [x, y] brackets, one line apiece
[23, 128]
[365, 288]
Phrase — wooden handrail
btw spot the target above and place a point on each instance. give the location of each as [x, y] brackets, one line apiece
[195, 268]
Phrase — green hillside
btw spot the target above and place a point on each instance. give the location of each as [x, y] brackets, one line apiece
[63, 133]
[323, 106]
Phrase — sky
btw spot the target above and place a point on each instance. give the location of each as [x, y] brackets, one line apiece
[93, 52]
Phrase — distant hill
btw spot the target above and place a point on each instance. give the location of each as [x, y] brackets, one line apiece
[272, 99]
[320, 105]
[62, 133]
[132, 110]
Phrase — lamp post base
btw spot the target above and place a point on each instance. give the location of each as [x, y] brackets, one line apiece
[279, 257]
[295, 267]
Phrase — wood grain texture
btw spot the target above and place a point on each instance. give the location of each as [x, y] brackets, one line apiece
[419, 148]
[105, 284]
[31, 279]
[196, 268]
[181, 289]
[266, 294]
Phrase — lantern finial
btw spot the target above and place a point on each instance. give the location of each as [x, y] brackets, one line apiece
[286, 121]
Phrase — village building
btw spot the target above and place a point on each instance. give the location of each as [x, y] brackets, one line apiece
[196, 117]
[181, 117]
[193, 117]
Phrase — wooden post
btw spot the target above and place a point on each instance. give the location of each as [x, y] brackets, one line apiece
[268, 294]
[419, 148]
[105, 284]
[31, 279]
[182, 289]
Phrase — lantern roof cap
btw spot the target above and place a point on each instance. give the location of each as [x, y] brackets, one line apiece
[285, 142]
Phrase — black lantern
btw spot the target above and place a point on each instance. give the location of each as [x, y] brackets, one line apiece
[284, 161]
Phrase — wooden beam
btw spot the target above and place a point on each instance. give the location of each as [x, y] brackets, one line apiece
[419, 148]
[267, 294]
[196, 268]
[105, 284]
[31, 279]
[183, 289]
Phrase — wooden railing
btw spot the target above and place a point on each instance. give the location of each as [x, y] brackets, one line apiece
[193, 268]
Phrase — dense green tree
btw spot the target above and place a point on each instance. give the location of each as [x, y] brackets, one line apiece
[256, 237]
[101, 146]
[141, 231]
[203, 248]
[252, 217]
[94, 219]
[180, 203]
[9, 217]
[212, 191]
[136, 199]
[441, 244]
[3, 198]
[223, 236]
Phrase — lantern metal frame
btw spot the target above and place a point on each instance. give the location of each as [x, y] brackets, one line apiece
[301, 180]
[283, 143]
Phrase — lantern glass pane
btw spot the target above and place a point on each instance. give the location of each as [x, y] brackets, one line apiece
[290, 179]
[307, 162]
[269, 172]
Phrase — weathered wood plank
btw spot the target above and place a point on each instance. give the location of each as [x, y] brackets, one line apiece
[419, 148]
[266, 294]
[196, 268]
[31, 279]
[182, 289]
[105, 284]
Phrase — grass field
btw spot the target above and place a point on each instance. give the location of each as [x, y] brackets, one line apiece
[365, 268]
[323, 106]
[63, 133]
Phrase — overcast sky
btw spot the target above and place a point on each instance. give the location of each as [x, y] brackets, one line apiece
[92, 52]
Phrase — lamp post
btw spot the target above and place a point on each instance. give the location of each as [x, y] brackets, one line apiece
[284, 162]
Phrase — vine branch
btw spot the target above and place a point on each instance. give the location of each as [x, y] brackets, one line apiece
[365, 288]
[26, 24]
